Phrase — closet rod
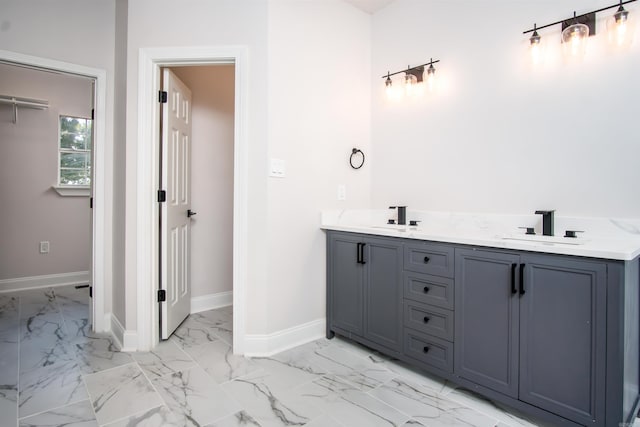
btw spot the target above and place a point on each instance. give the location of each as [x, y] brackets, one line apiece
[23, 102]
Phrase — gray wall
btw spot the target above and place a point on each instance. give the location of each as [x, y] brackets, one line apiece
[31, 211]
[213, 96]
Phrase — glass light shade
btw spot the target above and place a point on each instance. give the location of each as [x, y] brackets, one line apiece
[392, 92]
[574, 40]
[620, 29]
[431, 78]
[388, 87]
[535, 48]
[410, 84]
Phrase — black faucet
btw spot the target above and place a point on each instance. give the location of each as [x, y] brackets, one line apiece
[547, 222]
[402, 214]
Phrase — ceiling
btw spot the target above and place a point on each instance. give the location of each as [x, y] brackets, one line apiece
[370, 6]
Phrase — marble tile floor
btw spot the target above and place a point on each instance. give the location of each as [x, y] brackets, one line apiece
[55, 372]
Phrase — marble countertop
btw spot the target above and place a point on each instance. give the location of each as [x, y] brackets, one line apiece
[605, 238]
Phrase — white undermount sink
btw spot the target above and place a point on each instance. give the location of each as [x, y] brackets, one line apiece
[546, 239]
[395, 227]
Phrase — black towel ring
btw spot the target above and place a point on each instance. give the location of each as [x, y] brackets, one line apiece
[354, 152]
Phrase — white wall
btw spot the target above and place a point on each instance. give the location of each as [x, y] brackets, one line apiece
[501, 136]
[212, 100]
[316, 114]
[319, 109]
[203, 23]
[31, 210]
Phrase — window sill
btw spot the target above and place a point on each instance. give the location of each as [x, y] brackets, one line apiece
[68, 191]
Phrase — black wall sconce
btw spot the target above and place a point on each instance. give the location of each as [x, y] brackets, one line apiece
[413, 76]
[577, 29]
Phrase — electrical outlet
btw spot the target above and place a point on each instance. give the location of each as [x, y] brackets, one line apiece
[342, 192]
[44, 247]
[278, 168]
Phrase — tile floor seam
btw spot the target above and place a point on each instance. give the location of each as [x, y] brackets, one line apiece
[126, 417]
[52, 409]
[181, 350]
[164, 402]
[239, 377]
[86, 388]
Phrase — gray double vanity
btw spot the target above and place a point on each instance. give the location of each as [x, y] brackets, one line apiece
[547, 327]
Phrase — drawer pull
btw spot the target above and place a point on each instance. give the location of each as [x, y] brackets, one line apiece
[425, 289]
[425, 349]
[426, 319]
[426, 259]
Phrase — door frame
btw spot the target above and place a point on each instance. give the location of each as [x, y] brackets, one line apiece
[103, 168]
[150, 61]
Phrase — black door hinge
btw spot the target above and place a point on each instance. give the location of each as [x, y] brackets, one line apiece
[90, 202]
[162, 196]
[90, 291]
[93, 114]
[162, 97]
[162, 295]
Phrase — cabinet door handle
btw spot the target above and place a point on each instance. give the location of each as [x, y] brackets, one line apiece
[426, 319]
[426, 259]
[425, 289]
[425, 349]
[360, 253]
[522, 279]
[513, 278]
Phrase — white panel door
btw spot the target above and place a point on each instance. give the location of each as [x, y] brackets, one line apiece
[176, 211]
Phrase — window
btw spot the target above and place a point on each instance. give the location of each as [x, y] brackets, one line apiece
[74, 164]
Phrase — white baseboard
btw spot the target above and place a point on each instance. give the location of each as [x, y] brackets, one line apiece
[36, 282]
[211, 301]
[126, 340]
[269, 344]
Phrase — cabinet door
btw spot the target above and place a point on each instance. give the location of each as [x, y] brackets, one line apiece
[486, 320]
[383, 290]
[563, 336]
[345, 283]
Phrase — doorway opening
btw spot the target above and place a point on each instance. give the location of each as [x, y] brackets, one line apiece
[151, 62]
[101, 168]
[203, 215]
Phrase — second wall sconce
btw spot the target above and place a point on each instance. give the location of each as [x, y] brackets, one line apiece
[576, 31]
[413, 80]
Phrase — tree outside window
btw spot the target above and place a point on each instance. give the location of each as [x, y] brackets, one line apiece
[75, 151]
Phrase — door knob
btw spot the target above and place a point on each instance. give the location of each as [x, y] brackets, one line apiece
[190, 213]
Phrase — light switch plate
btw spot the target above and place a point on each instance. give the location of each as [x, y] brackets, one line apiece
[278, 168]
[342, 192]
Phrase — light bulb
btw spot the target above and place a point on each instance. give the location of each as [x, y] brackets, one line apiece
[574, 40]
[620, 29]
[535, 47]
[389, 86]
[431, 78]
[410, 84]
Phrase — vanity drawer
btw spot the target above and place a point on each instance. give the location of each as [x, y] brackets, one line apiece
[428, 319]
[427, 289]
[427, 349]
[429, 258]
